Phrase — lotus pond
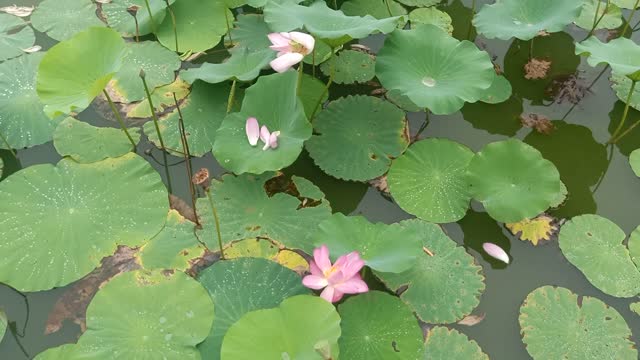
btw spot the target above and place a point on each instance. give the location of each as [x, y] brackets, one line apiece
[292, 179]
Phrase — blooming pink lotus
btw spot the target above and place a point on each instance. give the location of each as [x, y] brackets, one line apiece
[291, 47]
[254, 132]
[337, 279]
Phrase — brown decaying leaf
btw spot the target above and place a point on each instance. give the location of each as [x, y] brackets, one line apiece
[540, 123]
[380, 183]
[201, 178]
[471, 320]
[536, 69]
[568, 88]
[182, 207]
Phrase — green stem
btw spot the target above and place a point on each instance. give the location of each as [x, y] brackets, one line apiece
[614, 137]
[187, 158]
[473, 11]
[633, 12]
[217, 221]
[135, 19]
[153, 23]
[588, 88]
[119, 118]
[155, 123]
[595, 19]
[326, 89]
[386, 2]
[313, 69]
[6, 143]
[335, 5]
[424, 125]
[232, 95]
[300, 72]
[226, 18]
[173, 22]
[531, 48]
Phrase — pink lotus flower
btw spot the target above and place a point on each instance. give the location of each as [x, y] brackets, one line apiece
[254, 132]
[291, 47]
[496, 252]
[337, 279]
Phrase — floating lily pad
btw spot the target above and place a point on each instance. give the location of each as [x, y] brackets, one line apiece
[362, 147]
[162, 98]
[442, 288]
[22, 120]
[634, 246]
[200, 25]
[250, 32]
[3, 324]
[63, 352]
[634, 160]
[290, 331]
[625, 4]
[243, 65]
[377, 9]
[557, 324]
[535, 230]
[622, 85]
[15, 36]
[512, 180]
[393, 333]
[462, 17]
[173, 247]
[153, 318]
[500, 91]
[593, 244]
[62, 206]
[246, 211]
[273, 101]
[322, 21]
[202, 111]
[622, 54]
[242, 286]
[85, 143]
[388, 248]
[265, 249]
[449, 344]
[307, 189]
[612, 18]
[61, 19]
[73, 72]
[441, 89]
[433, 16]
[429, 180]
[115, 11]
[524, 19]
[635, 307]
[350, 66]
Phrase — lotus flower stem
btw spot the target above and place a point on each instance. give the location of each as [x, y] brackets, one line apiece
[596, 19]
[226, 18]
[173, 22]
[153, 23]
[300, 73]
[217, 221]
[423, 127]
[386, 2]
[335, 4]
[232, 95]
[119, 118]
[313, 56]
[473, 11]
[187, 158]
[155, 123]
[615, 137]
[6, 143]
[633, 12]
[326, 89]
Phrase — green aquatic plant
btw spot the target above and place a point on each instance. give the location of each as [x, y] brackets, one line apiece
[444, 343]
[61, 20]
[15, 36]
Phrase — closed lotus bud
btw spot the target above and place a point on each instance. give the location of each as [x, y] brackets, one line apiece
[496, 252]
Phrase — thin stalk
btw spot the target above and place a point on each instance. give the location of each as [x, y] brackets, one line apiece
[335, 5]
[232, 95]
[155, 123]
[226, 18]
[531, 48]
[187, 158]
[313, 56]
[609, 158]
[424, 125]
[326, 90]
[215, 217]
[173, 22]
[135, 19]
[628, 21]
[300, 72]
[473, 11]
[117, 115]
[6, 143]
[614, 137]
[386, 2]
[588, 88]
[595, 18]
[153, 23]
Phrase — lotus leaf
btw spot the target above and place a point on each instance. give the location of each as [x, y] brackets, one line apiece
[243, 65]
[611, 15]
[625, 4]
[634, 246]
[242, 286]
[449, 344]
[456, 71]
[432, 16]
[273, 101]
[393, 333]
[535, 230]
[634, 161]
[462, 17]
[63, 352]
[500, 91]
[265, 249]
[246, 211]
[622, 85]
[312, 94]
[250, 32]
[420, 3]
[290, 331]
[593, 244]
[622, 54]
[362, 147]
[376, 8]
[115, 11]
[442, 288]
[162, 98]
[15, 36]
[61, 19]
[557, 324]
[73, 72]
[350, 66]
[524, 19]
[3, 324]
[512, 180]
[81, 212]
[429, 180]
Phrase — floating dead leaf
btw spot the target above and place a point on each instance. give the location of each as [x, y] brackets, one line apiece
[543, 33]
[381, 184]
[21, 11]
[182, 207]
[569, 88]
[34, 48]
[536, 230]
[540, 123]
[194, 56]
[103, 1]
[536, 69]
[471, 320]
[201, 178]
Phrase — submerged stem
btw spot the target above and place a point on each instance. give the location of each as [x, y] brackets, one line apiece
[217, 221]
[232, 95]
[614, 137]
[119, 118]
[187, 158]
[173, 22]
[628, 21]
[386, 2]
[226, 18]
[153, 23]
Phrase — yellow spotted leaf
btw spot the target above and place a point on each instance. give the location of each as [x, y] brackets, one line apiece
[540, 228]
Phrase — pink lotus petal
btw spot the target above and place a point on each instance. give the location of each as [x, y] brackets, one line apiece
[279, 39]
[328, 293]
[273, 139]
[355, 285]
[315, 270]
[321, 257]
[496, 252]
[253, 131]
[314, 282]
[303, 39]
[286, 61]
[337, 295]
[264, 134]
[336, 276]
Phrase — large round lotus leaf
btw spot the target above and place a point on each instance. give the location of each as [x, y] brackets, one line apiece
[312, 93]
[429, 180]
[512, 180]
[115, 11]
[22, 121]
[246, 211]
[300, 328]
[622, 54]
[622, 85]
[442, 288]
[61, 19]
[273, 101]
[420, 3]
[377, 9]
[350, 66]
[60, 221]
[202, 112]
[634, 246]
[357, 136]
[162, 98]
[322, 21]
[63, 352]
[242, 286]
[243, 65]
[266, 249]
[15, 35]
[158, 63]
[500, 91]
[625, 4]
[174, 247]
[75, 71]
[593, 244]
[462, 19]
[432, 16]
[524, 19]
[147, 315]
[3, 324]
[393, 333]
[557, 324]
[425, 79]
[250, 32]
[389, 248]
[200, 25]
[86, 144]
[611, 15]
[449, 344]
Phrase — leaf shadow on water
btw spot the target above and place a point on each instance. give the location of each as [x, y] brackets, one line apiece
[478, 228]
[11, 163]
[631, 141]
[502, 118]
[461, 16]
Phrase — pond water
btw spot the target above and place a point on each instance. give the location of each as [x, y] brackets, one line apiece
[598, 177]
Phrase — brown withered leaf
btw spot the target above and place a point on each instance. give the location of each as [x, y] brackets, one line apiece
[538, 122]
[569, 88]
[182, 207]
[471, 320]
[380, 183]
[536, 69]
